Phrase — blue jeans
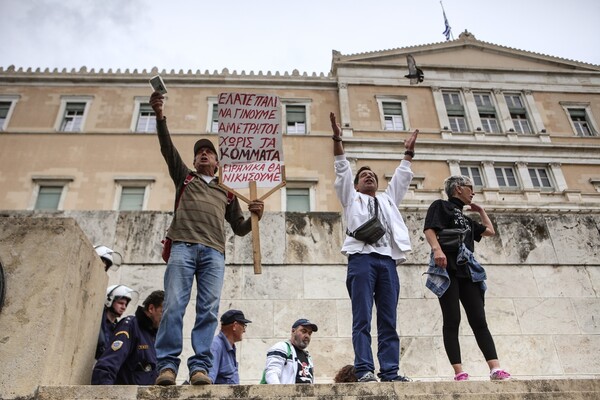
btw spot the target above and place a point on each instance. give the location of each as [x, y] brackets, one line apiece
[373, 277]
[208, 266]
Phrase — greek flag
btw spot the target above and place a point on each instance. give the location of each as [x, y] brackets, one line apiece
[448, 30]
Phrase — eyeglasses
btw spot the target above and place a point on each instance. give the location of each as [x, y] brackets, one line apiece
[468, 186]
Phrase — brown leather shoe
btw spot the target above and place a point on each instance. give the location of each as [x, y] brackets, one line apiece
[166, 377]
[199, 377]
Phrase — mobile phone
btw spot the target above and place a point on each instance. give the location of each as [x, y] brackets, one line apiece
[158, 85]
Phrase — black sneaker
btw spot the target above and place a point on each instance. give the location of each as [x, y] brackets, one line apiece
[368, 377]
[398, 378]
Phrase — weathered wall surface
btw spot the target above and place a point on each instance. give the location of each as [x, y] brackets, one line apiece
[55, 287]
[543, 302]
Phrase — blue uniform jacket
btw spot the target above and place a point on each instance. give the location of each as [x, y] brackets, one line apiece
[107, 328]
[130, 358]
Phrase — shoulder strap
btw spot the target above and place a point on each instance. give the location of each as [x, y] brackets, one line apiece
[190, 177]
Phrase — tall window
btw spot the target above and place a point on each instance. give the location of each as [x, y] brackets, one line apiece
[540, 178]
[487, 112]
[295, 117]
[146, 121]
[580, 122]
[4, 109]
[474, 173]
[132, 198]
[455, 111]
[392, 115]
[298, 199]
[518, 113]
[73, 117]
[48, 197]
[506, 177]
[214, 127]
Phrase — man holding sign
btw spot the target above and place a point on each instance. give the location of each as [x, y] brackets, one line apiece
[198, 250]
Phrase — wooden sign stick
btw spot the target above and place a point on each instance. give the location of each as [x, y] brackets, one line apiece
[256, 255]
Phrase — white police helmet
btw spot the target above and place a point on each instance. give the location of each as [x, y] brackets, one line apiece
[114, 292]
[110, 257]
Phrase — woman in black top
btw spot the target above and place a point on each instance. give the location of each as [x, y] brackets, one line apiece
[444, 214]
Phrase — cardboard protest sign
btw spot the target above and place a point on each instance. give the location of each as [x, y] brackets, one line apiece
[250, 140]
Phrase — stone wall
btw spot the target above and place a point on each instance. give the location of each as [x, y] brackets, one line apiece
[543, 301]
[55, 288]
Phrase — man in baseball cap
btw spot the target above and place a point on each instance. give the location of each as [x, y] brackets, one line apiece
[289, 361]
[224, 368]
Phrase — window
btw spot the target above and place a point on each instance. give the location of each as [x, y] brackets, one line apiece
[73, 117]
[455, 111]
[487, 112]
[298, 199]
[72, 113]
[48, 197]
[132, 198]
[295, 117]
[506, 177]
[146, 121]
[214, 126]
[474, 173]
[49, 192]
[132, 193]
[540, 178]
[580, 122]
[7, 104]
[392, 115]
[518, 113]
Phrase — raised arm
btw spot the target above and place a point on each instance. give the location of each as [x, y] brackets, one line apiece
[485, 220]
[338, 147]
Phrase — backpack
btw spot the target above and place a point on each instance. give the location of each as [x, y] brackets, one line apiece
[287, 357]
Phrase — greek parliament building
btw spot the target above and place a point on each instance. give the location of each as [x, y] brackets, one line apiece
[524, 126]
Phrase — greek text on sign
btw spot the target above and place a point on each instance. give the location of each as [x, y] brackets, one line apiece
[250, 139]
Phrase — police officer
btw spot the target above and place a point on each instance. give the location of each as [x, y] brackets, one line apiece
[131, 358]
[117, 299]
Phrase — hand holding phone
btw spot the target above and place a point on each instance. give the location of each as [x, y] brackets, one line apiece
[158, 85]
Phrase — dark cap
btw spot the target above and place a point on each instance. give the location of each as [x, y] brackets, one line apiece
[231, 316]
[305, 322]
[205, 143]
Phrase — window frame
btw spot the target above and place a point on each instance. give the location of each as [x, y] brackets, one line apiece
[507, 187]
[126, 182]
[469, 173]
[137, 109]
[455, 114]
[306, 103]
[49, 181]
[62, 111]
[589, 117]
[402, 100]
[12, 99]
[300, 183]
[212, 103]
[518, 113]
[484, 110]
[536, 169]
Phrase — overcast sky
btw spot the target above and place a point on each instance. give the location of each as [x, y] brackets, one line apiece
[276, 35]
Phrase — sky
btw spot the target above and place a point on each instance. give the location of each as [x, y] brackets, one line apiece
[276, 35]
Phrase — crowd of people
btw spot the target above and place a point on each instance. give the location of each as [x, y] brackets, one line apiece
[144, 349]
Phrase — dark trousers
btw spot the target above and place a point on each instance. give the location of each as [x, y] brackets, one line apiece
[471, 297]
[372, 278]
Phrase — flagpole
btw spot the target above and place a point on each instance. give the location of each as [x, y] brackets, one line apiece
[448, 29]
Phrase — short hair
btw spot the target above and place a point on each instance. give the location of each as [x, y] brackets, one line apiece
[454, 181]
[365, 168]
[155, 298]
[346, 374]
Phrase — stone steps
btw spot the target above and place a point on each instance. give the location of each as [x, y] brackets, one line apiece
[567, 389]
